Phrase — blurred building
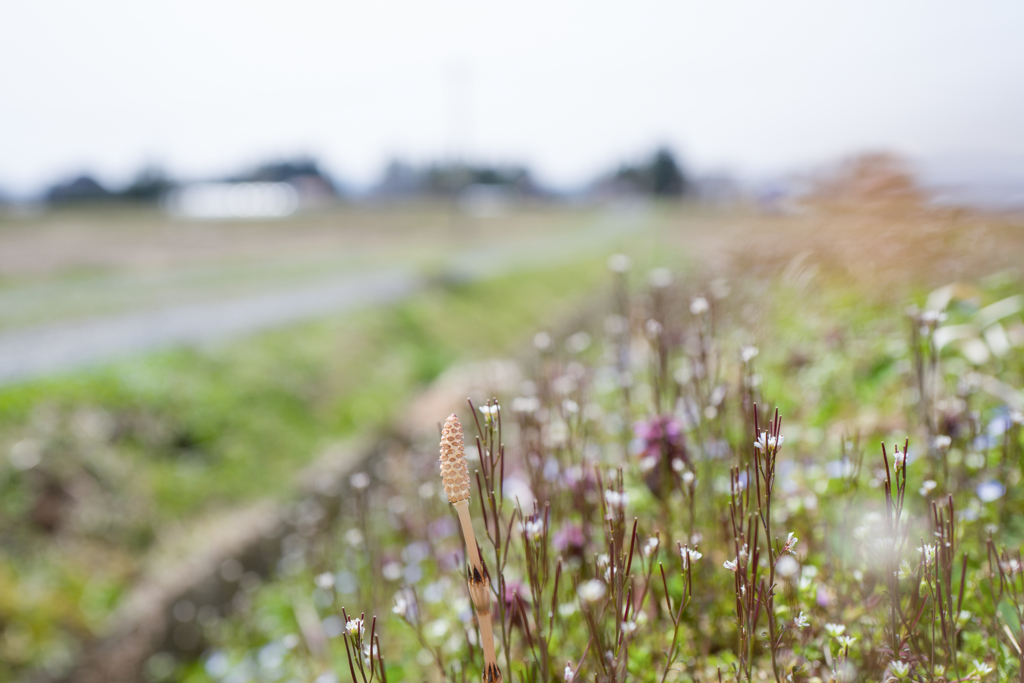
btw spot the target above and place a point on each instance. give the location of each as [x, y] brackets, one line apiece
[270, 191]
[233, 200]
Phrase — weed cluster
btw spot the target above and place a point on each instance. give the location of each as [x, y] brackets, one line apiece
[644, 516]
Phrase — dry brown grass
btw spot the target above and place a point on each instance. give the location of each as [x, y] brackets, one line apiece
[868, 222]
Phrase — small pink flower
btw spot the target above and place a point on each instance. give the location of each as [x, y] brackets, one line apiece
[570, 540]
[660, 445]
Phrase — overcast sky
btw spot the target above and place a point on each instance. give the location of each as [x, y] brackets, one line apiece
[203, 87]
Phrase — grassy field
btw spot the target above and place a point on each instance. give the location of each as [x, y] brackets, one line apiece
[620, 448]
[127, 449]
[104, 463]
[68, 264]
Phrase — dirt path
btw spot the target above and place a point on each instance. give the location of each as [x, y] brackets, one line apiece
[63, 346]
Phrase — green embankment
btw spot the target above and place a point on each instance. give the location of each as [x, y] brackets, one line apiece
[125, 449]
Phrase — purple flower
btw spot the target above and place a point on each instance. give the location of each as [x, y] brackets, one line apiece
[660, 445]
[570, 541]
[657, 433]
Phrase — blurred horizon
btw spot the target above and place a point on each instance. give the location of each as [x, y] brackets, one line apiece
[756, 93]
[251, 252]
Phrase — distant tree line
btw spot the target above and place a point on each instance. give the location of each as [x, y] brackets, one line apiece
[452, 178]
[152, 183]
[660, 174]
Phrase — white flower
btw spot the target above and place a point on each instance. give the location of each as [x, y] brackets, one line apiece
[835, 630]
[730, 565]
[569, 673]
[533, 528]
[898, 458]
[489, 410]
[660, 277]
[927, 486]
[942, 442]
[616, 263]
[525, 404]
[846, 641]
[369, 652]
[981, 669]
[437, 628]
[765, 440]
[748, 353]
[651, 546]
[687, 475]
[616, 499]
[591, 591]
[354, 627]
[929, 553]
[325, 580]
[791, 541]
[801, 621]
[899, 669]
[699, 305]
[401, 607]
[648, 463]
[787, 566]
[690, 555]
[577, 342]
[628, 626]
[931, 317]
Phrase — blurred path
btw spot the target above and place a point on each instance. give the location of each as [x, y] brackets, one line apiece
[60, 346]
[35, 351]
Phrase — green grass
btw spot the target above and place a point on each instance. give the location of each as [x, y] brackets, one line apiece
[151, 443]
[833, 358]
[162, 438]
[227, 421]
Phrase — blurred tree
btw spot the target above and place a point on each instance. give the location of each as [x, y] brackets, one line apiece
[149, 185]
[660, 175]
[666, 177]
[84, 188]
[302, 172]
[452, 178]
